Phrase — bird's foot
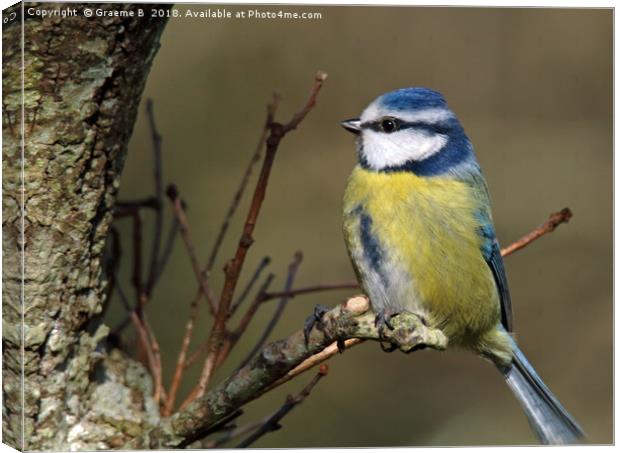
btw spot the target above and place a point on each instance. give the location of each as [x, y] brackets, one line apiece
[383, 320]
[315, 319]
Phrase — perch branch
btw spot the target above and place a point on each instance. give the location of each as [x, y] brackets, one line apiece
[352, 319]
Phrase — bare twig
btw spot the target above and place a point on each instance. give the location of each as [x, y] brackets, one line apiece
[137, 260]
[124, 299]
[550, 225]
[234, 337]
[243, 324]
[319, 79]
[179, 213]
[315, 360]
[310, 289]
[147, 342]
[271, 111]
[159, 197]
[181, 360]
[246, 291]
[234, 433]
[223, 425]
[157, 368]
[292, 271]
[148, 202]
[234, 266]
[273, 424]
[169, 243]
[251, 311]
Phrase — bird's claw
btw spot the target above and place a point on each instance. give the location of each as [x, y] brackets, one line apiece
[383, 320]
[340, 345]
[315, 319]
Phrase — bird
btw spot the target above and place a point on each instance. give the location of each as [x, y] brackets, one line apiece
[419, 232]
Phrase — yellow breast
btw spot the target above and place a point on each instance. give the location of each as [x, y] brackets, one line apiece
[427, 231]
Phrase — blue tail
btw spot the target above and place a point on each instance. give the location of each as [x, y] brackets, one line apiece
[549, 420]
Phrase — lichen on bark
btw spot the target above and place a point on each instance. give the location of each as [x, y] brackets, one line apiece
[83, 79]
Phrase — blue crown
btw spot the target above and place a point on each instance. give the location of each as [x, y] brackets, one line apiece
[413, 99]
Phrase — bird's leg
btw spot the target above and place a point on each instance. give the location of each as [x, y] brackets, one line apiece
[340, 345]
[382, 320]
[315, 319]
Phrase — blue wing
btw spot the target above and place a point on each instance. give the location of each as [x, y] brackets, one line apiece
[490, 246]
[493, 256]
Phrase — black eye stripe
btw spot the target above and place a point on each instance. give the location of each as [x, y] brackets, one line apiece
[436, 128]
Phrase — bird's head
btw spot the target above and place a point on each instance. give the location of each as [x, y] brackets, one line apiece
[411, 129]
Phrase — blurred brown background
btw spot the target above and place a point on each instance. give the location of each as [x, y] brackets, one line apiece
[533, 88]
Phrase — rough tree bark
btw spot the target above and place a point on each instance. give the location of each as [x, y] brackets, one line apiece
[83, 79]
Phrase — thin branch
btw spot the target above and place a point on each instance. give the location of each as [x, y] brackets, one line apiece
[251, 311]
[263, 296]
[248, 288]
[292, 271]
[271, 111]
[147, 202]
[233, 433]
[234, 266]
[555, 219]
[311, 289]
[273, 424]
[146, 342]
[157, 368]
[124, 299]
[234, 337]
[168, 245]
[137, 259]
[159, 197]
[319, 79]
[222, 425]
[179, 213]
[181, 360]
[315, 360]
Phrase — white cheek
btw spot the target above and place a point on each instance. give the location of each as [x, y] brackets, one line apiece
[383, 150]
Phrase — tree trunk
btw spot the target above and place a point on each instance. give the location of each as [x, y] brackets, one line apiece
[82, 83]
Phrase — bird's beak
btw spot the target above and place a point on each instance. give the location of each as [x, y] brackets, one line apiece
[353, 125]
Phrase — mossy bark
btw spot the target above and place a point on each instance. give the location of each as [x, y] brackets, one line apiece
[82, 83]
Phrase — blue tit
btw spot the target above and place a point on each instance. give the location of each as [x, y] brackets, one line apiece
[419, 231]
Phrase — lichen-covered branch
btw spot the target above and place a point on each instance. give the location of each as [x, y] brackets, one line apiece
[82, 83]
[353, 319]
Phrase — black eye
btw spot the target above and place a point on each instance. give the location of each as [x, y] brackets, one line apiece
[389, 125]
